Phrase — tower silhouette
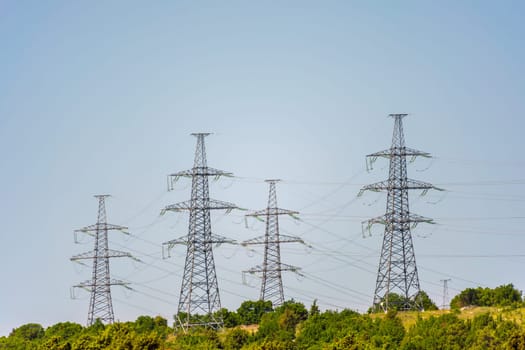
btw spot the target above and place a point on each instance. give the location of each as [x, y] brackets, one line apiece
[272, 283]
[445, 305]
[199, 294]
[397, 272]
[100, 304]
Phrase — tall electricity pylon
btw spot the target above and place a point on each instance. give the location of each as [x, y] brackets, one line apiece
[397, 272]
[272, 283]
[100, 305]
[199, 294]
[445, 305]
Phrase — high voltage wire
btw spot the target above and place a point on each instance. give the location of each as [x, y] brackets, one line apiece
[352, 263]
[326, 218]
[236, 294]
[227, 291]
[455, 277]
[327, 252]
[460, 229]
[138, 307]
[145, 208]
[482, 161]
[484, 183]
[308, 276]
[331, 285]
[357, 184]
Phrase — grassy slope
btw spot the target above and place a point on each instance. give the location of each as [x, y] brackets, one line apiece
[409, 318]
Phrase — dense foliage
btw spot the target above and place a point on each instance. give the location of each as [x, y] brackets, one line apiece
[503, 296]
[290, 326]
[399, 303]
[145, 333]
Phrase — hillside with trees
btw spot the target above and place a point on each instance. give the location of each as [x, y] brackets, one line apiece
[489, 319]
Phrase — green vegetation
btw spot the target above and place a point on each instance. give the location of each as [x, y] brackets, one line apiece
[399, 303]
[256, 325]
[503, 296]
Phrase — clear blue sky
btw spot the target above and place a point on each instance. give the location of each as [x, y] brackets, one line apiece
[101, 97]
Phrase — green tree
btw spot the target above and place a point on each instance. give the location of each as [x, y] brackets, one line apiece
[30, 331]
[64, 330]
[144, 324]
[195, 339]
[229, 318]
[250, 312]
[281, 324]
[444, 332]
[426, 302]
[235, 339]
[339, 329]
[314, 309]
[505, 295]
[467, 297]
[150, 341]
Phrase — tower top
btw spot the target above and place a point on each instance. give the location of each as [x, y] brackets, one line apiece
[197, 134]
[272, 181]
[398, 115]
[102, 195]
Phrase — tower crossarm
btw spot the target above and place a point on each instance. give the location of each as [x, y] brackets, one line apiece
[282, 239]
[282, 267]
[210, 204]
[181, 240]
[90, 284]
[200, 171]
[391, 218]
[83, 256]
[388, 185]
[214, 239]
[110, 253]
[272, 211]
[101, 226]
[399, 152]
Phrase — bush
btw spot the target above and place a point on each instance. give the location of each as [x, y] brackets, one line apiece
[502, 296]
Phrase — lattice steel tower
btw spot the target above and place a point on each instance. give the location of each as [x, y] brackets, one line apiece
[100, 305]
[199, 294]
[397, 272]
[445, 305]
[272, 283]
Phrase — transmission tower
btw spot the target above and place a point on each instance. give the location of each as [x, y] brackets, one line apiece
[272, 283]
[100, 305]
[199, 294]
[397, 272]
[445, 293]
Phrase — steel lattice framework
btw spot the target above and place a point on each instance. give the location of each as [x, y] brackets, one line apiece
[445, 305]
[397, 272]
[199, 294]
[100, 305]
[272, 283]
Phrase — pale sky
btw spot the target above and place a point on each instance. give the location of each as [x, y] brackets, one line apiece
[99, 97]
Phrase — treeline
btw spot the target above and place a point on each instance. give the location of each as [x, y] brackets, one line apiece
[290, 326]
[286, 328]
[502, 296]
[145, 333]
